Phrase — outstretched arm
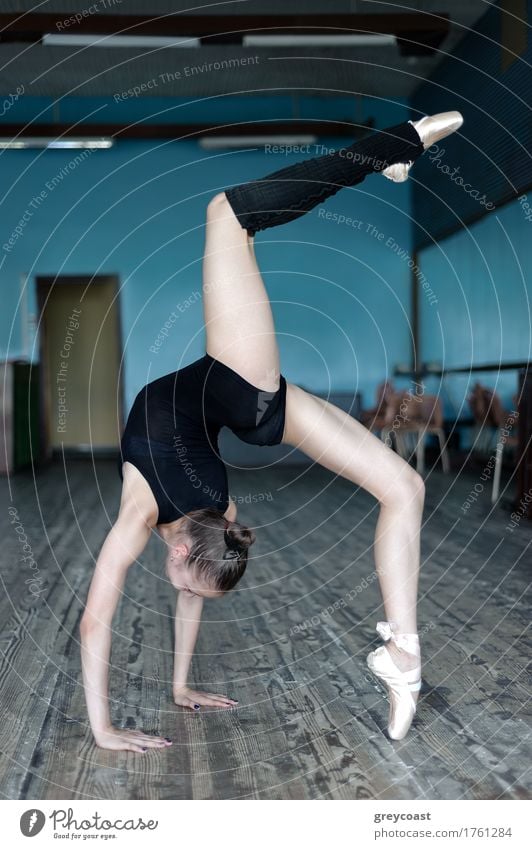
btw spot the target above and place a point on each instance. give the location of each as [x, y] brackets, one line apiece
[123, 544]
[187, 621]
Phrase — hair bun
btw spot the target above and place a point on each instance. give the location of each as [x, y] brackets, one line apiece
[238, 538]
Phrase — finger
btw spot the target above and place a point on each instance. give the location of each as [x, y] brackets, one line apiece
[150, 742]
[161, 741]
[182, 701]
[224, 698]
[190, 703]
[218, 703]
[218, 696]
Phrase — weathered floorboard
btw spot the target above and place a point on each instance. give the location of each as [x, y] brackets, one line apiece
[311, 718]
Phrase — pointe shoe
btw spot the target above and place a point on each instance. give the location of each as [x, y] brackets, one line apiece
[433, 128]
[400, 684]
[430, 129]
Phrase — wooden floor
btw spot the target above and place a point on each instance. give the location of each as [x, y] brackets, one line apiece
[311, 718]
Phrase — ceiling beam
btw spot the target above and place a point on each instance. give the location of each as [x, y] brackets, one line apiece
[411, 28]
[184, 132]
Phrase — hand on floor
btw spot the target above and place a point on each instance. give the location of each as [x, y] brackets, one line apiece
[186, 697]
[130, 740]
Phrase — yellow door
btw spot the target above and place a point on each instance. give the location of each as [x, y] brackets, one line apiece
[81, 353]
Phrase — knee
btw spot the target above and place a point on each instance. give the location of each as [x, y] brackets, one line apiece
[417, 488]
[407, 490]
[414, 489]
[217, 204]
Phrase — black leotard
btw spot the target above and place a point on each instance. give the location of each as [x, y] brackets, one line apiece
[171, 434]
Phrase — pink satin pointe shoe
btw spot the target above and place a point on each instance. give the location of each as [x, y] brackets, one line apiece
[433, 128]
[430, 129]
[400, 684]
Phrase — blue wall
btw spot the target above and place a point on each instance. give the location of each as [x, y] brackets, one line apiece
[340, 293]
[480, 273]
[483, 280]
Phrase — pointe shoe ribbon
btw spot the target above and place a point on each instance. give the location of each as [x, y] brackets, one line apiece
[398, 172]
[384, 630]
[400, 684]
[408, 642]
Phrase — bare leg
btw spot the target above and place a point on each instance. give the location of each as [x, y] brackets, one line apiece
[340, 443]
[238, 317]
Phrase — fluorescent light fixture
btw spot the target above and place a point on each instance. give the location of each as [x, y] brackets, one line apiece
[23, 143]
[217, 142]
[87, 144]
[61, 40]
[348, 40]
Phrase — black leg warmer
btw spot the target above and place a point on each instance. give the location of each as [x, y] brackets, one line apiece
[286, 194]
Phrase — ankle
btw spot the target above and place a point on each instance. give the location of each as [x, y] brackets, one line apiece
[391, 631]
[400, 644]
[404, 660]
[408, 642]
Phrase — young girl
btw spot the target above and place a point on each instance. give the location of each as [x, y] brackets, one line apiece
[174, 481]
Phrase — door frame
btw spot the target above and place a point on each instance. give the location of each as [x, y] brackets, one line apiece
[44, 283]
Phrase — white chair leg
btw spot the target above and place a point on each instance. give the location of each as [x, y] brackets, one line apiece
[385, 436]
[420, 452]
[497, 472]
[400, 445]
[446, 466]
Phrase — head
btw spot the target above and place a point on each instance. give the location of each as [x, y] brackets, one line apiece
[207, 554]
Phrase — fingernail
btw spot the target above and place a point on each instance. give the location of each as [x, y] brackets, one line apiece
[168, 740]
[144, 748]
[196, 707]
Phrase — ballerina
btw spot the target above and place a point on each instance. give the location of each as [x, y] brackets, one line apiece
[175, 482]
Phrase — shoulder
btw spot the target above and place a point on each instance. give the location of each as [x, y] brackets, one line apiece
[137, 499]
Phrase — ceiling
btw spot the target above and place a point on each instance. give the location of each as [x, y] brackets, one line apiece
[384, 72]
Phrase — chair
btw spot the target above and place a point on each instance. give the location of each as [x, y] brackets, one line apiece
[416, 417]
[376, 417]
[490, 434]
